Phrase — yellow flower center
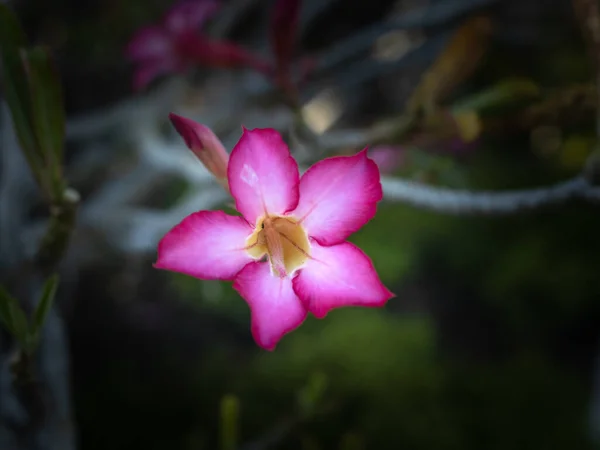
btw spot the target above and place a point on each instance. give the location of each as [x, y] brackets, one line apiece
[283, 240]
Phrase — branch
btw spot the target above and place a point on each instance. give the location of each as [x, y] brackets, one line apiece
[433, 15]
[453, 201]
[138, 230]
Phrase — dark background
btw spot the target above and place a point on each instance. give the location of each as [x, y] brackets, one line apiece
[491, 342]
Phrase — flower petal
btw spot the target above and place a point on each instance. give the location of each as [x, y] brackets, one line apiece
[189, 15]
[275, 308]
[220, 53]
[338, 196]
[340, 275]
[207, 244]
[263, 176]
[149, 43]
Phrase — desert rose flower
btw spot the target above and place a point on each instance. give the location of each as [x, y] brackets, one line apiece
[176, 44]
[287, 253]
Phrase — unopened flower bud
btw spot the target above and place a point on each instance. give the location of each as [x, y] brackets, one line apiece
[205, 145]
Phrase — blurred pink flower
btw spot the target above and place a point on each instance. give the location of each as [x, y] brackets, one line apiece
[287, 253]
[176, 44]
[387, 157]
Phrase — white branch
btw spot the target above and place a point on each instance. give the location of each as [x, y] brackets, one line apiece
[170, 156]
[453, 201]
[138, 230]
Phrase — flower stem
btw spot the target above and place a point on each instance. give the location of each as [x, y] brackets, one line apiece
[62, 222]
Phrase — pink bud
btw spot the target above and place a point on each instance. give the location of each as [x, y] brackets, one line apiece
[206, 146]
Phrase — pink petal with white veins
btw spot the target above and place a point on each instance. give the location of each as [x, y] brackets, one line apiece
[263, 176]
[338, 196]
[149, 43]
[336, 276]
[275, 308]
[207, 244]
[189, 15]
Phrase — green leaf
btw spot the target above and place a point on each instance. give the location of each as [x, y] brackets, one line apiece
[13, 77]
[33, 92]
[312, 393]
[44, 305]
[13, 317]
[11, 33]
[230, 411]
[16, 91]
[48, 114]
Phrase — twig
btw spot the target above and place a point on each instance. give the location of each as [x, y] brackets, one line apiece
[436, 14]
[452, 201]
[137, 230]
[60, 227]
[365, 70]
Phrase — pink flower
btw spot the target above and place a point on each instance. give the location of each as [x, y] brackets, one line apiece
[287, 253]
[176, 45]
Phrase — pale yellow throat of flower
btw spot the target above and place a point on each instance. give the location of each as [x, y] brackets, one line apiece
[283, 240]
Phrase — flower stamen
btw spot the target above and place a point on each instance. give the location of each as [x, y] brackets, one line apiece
[283, 240]
[295, 245]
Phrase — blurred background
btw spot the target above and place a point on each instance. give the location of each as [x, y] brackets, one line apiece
[493, 339]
